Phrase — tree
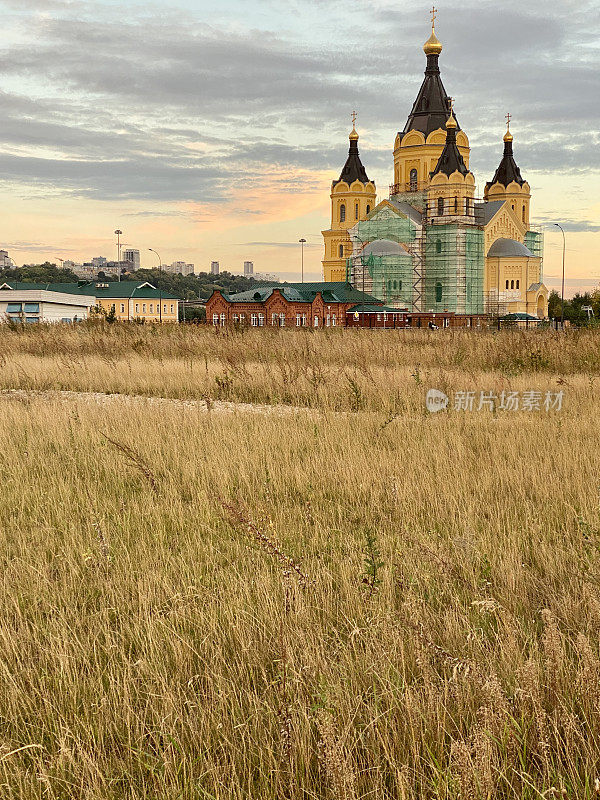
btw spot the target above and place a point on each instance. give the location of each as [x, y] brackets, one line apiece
[194, 287]
[39, 273]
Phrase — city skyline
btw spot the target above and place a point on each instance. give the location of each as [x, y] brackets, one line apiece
[219, 141]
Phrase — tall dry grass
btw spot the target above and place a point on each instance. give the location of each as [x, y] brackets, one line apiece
[327, 369]
[188, 608]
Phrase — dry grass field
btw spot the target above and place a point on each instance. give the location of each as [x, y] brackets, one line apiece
[378, 603]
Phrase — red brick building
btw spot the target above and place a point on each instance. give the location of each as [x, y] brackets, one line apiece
[301, 305]
[323, 305]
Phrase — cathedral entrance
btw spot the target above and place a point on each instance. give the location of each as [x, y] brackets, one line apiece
[541, 307]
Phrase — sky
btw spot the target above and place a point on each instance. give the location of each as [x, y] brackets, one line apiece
[212, 131]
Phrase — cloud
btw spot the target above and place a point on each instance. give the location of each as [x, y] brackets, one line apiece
[280, 244]
[161, 107]
[571, 225]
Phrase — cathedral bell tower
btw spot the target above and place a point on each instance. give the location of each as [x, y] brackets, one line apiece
[451, 192]
[419, 146]
[454, 241]
[508, 184]
[353, 196]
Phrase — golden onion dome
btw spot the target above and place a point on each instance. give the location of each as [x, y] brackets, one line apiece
[354, 135]
[451, 122]
[433, 46]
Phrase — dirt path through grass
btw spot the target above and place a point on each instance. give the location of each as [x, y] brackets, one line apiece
[206, 405]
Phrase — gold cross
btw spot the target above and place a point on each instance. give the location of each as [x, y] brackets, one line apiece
[434, 12]
[451, 104]
[354, 116]
[508, 119]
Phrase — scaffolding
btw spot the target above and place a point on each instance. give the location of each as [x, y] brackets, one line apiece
[534, 240]
[420, 264]
[387, 259]
[454, 273]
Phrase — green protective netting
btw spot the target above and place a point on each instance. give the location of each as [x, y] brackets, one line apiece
[535, 242]
[453, 275]
[393, 227]
[389, 278]
[392, 278]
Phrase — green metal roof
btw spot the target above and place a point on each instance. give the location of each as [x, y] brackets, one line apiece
[116, 289]
[332, 292]
[520, 316]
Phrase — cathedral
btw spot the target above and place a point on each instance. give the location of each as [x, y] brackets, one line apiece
[434, 245]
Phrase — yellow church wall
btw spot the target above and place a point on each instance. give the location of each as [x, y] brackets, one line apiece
[519, 273]
[358, 200]
[413, 151]
[504, 225]
[517, 197]
[455, 190]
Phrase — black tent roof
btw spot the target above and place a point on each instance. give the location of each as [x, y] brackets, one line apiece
[353, 169]
[431, 109]
[508, 171]
[451, 159]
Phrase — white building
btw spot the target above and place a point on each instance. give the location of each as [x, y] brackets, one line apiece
[214, 268]
[6, 261]
[19, 304]
[179, 268]
[248, 268]
[132, 257]
[81, 270]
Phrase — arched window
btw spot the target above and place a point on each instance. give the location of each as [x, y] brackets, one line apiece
[507, 284]
[438, 292]
[440, 206]
[438, 246]
[518, 284]
[395, 285]
[414, 182]
[342, 213]
[341, 251]
[399, 286]
[456, 205]
[523, 213]
[513, 206]
[356, 211]
[467, 206]
[512, 284]
[368, 209]
[389, 286]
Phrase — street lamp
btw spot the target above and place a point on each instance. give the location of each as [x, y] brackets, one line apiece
[119, 233]
[302, 243]
[159, 284]
[562, 312]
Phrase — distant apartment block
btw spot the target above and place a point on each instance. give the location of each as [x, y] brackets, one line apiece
[113, 267]
[132, 259]
[6, 261]
[248, 268]
[179, 268]
[99, 262]
[214, 268]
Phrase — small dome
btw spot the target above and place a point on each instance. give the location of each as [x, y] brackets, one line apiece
[508, 137]
[451, 122]
[354, 135]
[384, 247]
[433, 46]
[509, 248]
